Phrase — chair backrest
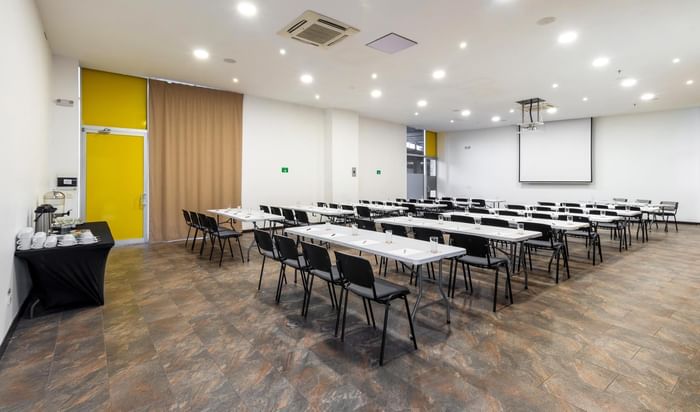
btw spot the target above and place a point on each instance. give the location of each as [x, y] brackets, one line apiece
[544, 208]
[619, 199]
[347, 207]
[412, 200]
[398, 199]
[366, 224]
[636, 208]
[195, 219]
[595, 212]
[377, 202]
[396, 230]
[317, 257]
[448, 204]
[302, 217]
[646, 201]
[462, 199]
[610, 213]
[424, 233]
[288, 214]
[363, 211]
[669, 206]
[474, 245]
[479, 210]
[356, 270]
[462, 219]
[479, 202]
[620, 207]
[602, 207]
[286, 247]
[364, 202]
[211, 224]
[411, 208]
[265, 208]
[188, 218]
[431, 215]
[545, 230]
[263, 240]
[508, 213]
[487, 221]
[541, 215]
[321, 204]
[203, 220]
[575, 210]
[572, 204]
[333, 205]
[547, 203]
[590, 206]
[515, 207]
[276, 211]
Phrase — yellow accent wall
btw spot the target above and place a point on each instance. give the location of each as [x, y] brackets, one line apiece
[113, 100]
[430, 143]
[114, 183]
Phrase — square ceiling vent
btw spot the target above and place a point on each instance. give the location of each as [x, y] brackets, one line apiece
[391, 43]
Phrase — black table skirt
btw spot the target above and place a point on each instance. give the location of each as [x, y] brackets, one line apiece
[71, 276]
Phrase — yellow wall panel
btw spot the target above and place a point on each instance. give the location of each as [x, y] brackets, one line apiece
[430, 144]
[113, 100]
[114, 183]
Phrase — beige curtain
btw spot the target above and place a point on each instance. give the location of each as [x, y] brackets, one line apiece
[194, 146]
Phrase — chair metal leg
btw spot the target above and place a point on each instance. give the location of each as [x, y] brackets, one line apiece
[307, 295]
[194, 238]
[386, 319]
[495, 291]
[345, 315]
[410, 323]
[509, 291]
[371, 313]
[364, 305]
[338, 309]
[261, 272]
[240, 249]
[278, 296]
[189, 229]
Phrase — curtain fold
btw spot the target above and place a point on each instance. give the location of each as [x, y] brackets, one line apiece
[195, 144]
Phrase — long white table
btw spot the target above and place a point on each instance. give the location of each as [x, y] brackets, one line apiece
[380, 208]
[406, 250]
[246, 216]
[555, 224]
[323, 211]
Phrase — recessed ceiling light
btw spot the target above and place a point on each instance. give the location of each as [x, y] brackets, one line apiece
[567, 37]
[511, 111]
[552, 110]
[235, 79]
[555, 85]
[283, 52]
[601, 62]
[376, 93]
[647, 96]
[585, 99]
[415, 113]
[676, 60]
[374, 76]
[496, 119]
[628, 82]
[439, 74]
[306, 78]
[317, 97]
[465, 113]
[452, 121]
[689, 82]
[463, 45]
[422, 103]
[247, 9]
[201, 54]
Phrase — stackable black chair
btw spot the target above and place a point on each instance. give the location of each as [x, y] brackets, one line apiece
[190, 225]
[449, 206]
[571, 205]
[424, 234]
[479, 210]
[619, 199]
[204, 227]
[546, 242]
[363, 212]
[410, 208]
[222, 236]
[319, 265]
[478, 255]
[479, 202]
[289, 219]
[194, 218]
[289, 255]
[364, 202]
[333, 205]
[668, 211]
[462, 218]
[302, 218]
[617, 228]
[488, 221]
[276, 211]
[590, 236]
[515, 207]
[347, 207]
[546, 203]
[366, 224]
[266, 248]
[321, 204]
[431, 215]
[264, 209]
[396, 230]
[358, 273]
[541, 216]
[412, 200]
[508, 213]
[545, 208]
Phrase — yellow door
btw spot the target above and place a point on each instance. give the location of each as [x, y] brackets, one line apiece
[114, 183]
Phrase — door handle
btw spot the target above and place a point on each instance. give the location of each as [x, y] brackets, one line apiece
[144, 200]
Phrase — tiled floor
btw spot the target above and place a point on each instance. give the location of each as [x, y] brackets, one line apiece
[178, 332]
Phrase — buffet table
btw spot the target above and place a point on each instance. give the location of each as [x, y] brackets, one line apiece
[71, 276]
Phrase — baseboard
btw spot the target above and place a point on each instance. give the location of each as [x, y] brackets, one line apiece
[13, 326]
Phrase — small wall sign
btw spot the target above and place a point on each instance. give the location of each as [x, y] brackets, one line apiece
[285, 169]
[379, 172]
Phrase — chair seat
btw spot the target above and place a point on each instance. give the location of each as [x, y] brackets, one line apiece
[482, 261]
[224, 233]
[385, 290]
[295, 263]
[272, 254]
[544, 244]
[334, 276]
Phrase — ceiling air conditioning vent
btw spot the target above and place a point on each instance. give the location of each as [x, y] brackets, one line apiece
[317, 30]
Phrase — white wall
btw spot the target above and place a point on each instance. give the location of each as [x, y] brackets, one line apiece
[342, 151]
[24, 116]
[382, 146]
[64, 131]
[652, 156]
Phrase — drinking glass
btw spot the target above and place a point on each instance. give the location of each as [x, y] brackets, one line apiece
[570, 219]
[566, 210]
[441, 219]
[529, 216]
[328, 226]
[477, 222]
[355, 232]
[387, 236]
[410, 216]
[521, 228]
[433, 244]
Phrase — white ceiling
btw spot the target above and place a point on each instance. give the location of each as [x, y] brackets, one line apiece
[509, 57]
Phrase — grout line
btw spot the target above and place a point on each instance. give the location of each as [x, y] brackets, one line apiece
[611, 382]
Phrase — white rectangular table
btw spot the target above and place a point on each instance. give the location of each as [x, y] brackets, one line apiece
[405, 250]
[246, 216]
[380, 208]
[555, 224]
[323, 211]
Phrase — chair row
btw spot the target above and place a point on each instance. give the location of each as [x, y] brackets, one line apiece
[210, 228]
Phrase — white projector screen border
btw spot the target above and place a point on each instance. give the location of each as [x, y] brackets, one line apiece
[587, 180]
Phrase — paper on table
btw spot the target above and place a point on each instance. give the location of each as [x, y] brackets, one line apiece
[405, 252]
[365, 242]
[333, 235]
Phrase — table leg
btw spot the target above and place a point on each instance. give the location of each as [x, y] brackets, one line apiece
[252, 242]
[442, 292]
[420, 293]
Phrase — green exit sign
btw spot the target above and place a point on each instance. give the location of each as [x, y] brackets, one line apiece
[285, 170]
[379, 172]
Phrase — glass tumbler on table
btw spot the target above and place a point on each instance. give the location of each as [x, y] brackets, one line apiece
[387, 236]
[433, 244]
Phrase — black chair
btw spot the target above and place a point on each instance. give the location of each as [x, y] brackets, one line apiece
[321, 204]
[222, 236]
[571, 204]
[479, 210]
[617, 228]
[448, 205]
[479, 255]
[515, 207]
[544, 208]
[396, 230]
[360, 279]
[590, 236]
[204, 227]
[667, 211]
[377, 202]
[333, 205]
[412, 200]
[364, 212]
[364, 202]
[347, 207]
[508, 213]
[462, 219]
[604, 207]
[366, 224]
[479, 202]
[276, 211]
[265, 209]
[546, 242]
[289, 219]
[302, 218]
[424, 234]
[190, 225]
[289, 255]
[319, 265]
[266, 248]
[431, 215]
[541, 216]
[461, 199]
[619, 199]
[487, 221]
[575, 210]
[194, 218]
[546, 203]
[398, 199]
[644, 201]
